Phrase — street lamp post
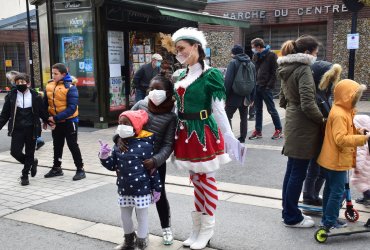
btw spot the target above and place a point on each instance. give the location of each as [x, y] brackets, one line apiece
[30, 46]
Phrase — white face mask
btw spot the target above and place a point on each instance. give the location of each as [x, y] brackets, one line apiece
[182, 58]
[254, 51]
[157, 96]
[125, 131]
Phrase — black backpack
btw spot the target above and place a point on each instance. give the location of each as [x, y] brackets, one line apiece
[245, 79]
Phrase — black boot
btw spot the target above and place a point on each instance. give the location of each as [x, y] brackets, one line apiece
[80, 174]
[54, 171]
[34, 167]
[141, 243]
[24, 180]
[129, 243]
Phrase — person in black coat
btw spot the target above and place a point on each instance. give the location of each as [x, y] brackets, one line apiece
[23, 109]
[233, 100]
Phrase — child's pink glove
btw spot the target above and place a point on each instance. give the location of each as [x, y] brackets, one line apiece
[155, 196]
[104, 150]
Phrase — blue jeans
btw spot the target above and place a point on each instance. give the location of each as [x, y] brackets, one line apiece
[265, 95]
[333, 196]
[139, 95]
[292, 187]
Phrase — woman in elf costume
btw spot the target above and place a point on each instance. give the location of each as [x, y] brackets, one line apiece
[201, 128]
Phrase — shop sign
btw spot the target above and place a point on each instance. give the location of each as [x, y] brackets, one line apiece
[304, 11]
[353, 41]
[8, 63]
[71, 4]
[115, 48]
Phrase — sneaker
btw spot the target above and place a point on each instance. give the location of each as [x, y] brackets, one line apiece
[54, 172]
[242, 140]
[305, 223]
[255, 135]
[24, 180]
[307, 217]
[80, 174]
[167, 236]
[277, 135]
[39, 145]
[34, 167]
[338, 224]
[360, 200]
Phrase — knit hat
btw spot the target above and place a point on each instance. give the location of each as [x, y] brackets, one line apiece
[138, 119]
[237, 49]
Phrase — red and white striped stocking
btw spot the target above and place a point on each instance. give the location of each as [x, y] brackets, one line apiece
[205, 192]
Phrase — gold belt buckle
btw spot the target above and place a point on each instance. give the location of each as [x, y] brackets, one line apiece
[203, 114]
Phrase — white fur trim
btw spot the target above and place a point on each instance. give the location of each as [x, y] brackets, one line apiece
[299, 57]
[194, 73]
[191, 34]
[202, 167]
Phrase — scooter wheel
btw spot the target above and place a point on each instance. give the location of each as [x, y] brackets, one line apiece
[321, 235]
[352, 215]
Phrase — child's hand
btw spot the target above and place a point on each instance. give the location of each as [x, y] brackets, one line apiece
[155, 196]
[104, 150]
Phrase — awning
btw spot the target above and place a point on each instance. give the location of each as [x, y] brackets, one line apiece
[193, 15]
[202, 17]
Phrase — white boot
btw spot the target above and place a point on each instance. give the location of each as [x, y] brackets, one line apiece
[206, 232]
[196, 227]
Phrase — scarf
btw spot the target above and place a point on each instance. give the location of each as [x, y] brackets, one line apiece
[164, 107]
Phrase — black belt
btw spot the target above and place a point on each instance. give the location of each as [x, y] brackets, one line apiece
[201, 115]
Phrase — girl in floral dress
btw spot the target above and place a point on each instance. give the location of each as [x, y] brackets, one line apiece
[202, 130]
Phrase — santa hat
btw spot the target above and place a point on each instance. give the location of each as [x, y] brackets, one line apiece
[138, 119]
[190, 34]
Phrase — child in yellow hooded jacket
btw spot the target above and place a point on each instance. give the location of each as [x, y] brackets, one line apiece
[338, 153]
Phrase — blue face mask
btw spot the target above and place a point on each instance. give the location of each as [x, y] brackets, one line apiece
[158, 64]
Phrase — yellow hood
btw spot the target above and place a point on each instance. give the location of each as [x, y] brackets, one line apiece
[346, 93]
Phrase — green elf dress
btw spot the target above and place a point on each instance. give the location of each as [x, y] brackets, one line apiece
[199, 142]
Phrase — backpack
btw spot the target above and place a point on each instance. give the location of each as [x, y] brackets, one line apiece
[245, 79]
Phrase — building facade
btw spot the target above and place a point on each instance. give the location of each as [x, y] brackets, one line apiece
[276, 21]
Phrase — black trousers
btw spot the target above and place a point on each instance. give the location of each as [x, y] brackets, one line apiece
[163, 207]
[66, 131]
[243, 112]
[23, 138]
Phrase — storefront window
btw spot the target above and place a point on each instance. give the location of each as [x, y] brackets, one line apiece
[74, 35]
[44, 44]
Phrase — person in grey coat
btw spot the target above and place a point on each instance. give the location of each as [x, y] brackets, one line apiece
[233, 100]
[303, 121]
[162, 122]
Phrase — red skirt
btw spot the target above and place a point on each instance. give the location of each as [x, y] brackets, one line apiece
[190, 149]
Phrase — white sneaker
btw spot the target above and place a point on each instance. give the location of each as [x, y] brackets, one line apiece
[305, 223]
[307, 217]
[167, 236]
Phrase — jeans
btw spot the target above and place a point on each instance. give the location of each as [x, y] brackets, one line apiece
[314, 180]
[265, 95]
[163, 207]
[139, 95]
[66, 131]
[23, 138]
[243, 112]
[292, 187]
[252, 110]
[333, 196]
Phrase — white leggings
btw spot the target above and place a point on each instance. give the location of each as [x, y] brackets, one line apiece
[142, 220]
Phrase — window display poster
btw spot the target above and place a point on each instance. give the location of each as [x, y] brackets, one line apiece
[117, 100]
[141, 58]
[72, 48]
[135, 57]
[148, 58]
[116, 48]
[148, 49]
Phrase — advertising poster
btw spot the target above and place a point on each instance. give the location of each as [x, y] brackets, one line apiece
[73, 48]
[117, 94]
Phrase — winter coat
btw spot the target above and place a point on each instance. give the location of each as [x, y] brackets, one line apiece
[144, 75]
[233, 99]
[61, 99]
[338, 152]
[132, 176]
[360, 178]
[163, 126]
[9, 112]
[303, 119]
[266, 66]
